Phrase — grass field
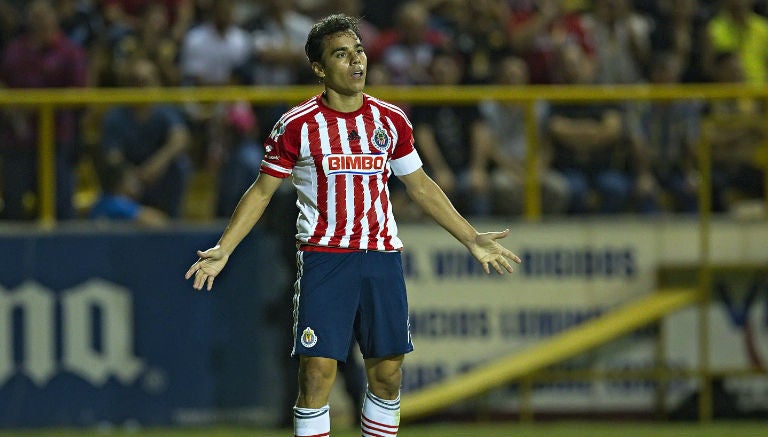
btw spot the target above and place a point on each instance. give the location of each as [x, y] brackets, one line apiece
[554, 429]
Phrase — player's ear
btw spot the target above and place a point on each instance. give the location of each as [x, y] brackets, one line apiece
[318, 69]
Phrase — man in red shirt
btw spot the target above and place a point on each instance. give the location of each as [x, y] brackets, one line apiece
[340, 148]
[539, 30]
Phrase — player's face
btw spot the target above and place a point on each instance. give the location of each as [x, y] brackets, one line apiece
[343, 64]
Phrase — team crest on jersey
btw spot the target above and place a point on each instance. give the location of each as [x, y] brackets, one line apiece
[278, 130]
[380, 139]
[308, 337]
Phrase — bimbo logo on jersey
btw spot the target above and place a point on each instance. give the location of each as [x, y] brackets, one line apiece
[363, 164]
[69, 315]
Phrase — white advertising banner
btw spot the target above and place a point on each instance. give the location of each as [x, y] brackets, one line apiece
[571, 272]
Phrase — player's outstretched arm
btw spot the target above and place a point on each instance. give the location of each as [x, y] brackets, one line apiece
[483, 246]
[248, 212]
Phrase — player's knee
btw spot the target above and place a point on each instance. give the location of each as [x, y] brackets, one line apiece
[317, 373]
[384, 380]
[386, 386]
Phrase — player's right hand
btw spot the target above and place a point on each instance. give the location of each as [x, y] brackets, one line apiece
[207, 267]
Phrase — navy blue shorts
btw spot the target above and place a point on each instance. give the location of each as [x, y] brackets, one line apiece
[341, 296]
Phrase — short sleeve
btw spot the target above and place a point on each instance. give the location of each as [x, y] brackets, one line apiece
[280, 150]
[405, 159]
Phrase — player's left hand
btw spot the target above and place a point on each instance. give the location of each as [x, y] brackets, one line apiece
[492, 254]
[207, 267]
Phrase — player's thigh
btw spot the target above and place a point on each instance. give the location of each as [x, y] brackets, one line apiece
[325, 304]
[382, 325]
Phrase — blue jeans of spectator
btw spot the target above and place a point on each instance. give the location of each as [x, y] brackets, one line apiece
[167, 193]
[612, 186]
[685, 199]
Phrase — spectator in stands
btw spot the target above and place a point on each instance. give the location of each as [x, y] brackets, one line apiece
[211, 51]
[42, 57]
[736, 141]
[211, 54]
[278, 58]
[9, 23]
[452, 140]
[156, 41]
[680, 29]
[479, 34]
[279, 34]
[104, 55]
[82, 22]
[622, 41]
[665, 135]
[151, 39]
[153, 138]
[120, 191]
[180, 13]
[538, 30]
[407, 48]
[587, 141]
[737, 28]
[508, 147]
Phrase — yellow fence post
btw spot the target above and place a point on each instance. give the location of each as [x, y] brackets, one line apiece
[705, 272]
[46, 168]
[765, 159]
[532, 185]
[660, 370]
[526, 399]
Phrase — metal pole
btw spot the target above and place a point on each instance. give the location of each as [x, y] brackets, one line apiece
[526, 399]
[660, 369]
[765, 162]
[46, 169]
[705, 272]
[532, 184]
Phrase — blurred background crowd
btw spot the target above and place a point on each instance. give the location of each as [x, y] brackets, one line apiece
[146, 161]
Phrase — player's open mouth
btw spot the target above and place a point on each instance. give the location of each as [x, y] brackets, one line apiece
[358, 74]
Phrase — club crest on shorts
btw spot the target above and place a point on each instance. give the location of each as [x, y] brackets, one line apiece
[308, 337]
[380, 139]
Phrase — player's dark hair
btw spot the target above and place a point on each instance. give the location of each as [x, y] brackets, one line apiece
[328, 26]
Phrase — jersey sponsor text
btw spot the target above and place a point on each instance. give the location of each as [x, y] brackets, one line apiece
[354, 164]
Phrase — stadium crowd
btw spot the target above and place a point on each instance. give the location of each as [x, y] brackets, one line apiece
[636, 157]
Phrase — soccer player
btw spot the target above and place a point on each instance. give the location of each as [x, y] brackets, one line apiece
[340, 148]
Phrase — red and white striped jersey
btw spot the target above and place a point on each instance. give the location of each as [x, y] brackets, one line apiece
[340, 164]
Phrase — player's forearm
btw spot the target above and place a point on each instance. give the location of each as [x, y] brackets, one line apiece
[247, 213]
[435, 203]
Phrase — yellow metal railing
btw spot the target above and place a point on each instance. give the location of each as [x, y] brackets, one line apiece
[46, 100]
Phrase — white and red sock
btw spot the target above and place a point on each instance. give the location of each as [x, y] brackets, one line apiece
[380, 417]
[311, 422]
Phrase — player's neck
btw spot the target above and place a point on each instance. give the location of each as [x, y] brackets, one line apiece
[342, 102]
